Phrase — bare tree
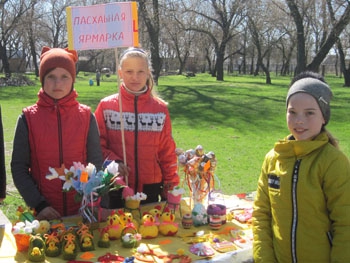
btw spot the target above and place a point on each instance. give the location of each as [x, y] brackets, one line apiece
[219, 20]
[11, 13]
[150, 16]
[297, 10]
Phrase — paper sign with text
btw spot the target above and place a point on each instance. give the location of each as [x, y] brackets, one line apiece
[102, 26]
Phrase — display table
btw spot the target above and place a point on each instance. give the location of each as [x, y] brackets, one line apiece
[161, 244]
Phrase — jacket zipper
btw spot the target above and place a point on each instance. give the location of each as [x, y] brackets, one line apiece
[136, 146]
[294, 210]
[60, 147]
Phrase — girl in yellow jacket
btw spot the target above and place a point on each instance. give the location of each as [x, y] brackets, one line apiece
[302, 207]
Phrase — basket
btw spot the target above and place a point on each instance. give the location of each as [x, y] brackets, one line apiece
[132, 204]
[128, 238]
[22, 242]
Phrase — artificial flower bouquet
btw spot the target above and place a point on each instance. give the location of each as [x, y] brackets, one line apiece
[90, 184]
[174, 195]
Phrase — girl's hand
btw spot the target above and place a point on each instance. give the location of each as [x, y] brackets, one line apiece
[48, 213]
[123, 170]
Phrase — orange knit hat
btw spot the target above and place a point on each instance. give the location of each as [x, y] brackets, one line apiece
[57, 58]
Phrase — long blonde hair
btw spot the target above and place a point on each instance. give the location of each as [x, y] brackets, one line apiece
[140, 53]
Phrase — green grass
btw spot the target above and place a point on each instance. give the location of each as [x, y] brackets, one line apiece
[238, 119]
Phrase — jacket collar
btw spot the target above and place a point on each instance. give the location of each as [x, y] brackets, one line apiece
[46, 100]
[289, 147]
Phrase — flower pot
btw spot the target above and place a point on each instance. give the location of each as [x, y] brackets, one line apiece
[132, 204]
[22, 242]
[173, 199]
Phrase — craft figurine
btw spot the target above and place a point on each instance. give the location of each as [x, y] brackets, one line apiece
[148, 228]
[167, 226]
[36, 251]
[115, 226]
[86, 239]
[127, 219]
[52, 244]
[130, 238]
[199, 215]
[43, 228]
[69, 245]
[104, 241]
[156, 212]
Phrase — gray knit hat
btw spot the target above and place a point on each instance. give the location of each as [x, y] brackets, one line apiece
[316, 88]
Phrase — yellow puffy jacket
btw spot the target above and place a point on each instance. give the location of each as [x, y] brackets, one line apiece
[302, 207]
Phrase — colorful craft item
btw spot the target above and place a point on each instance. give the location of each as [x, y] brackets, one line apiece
[148, 228]
[25, 215]
[43, 228]
[127, 218]
[167, 226]
[115, 226]
[215, 222]
[156, 212]
[199, 215]
[90, 184]
[199, 168]
[86, 239]
[202, 249]
[104, 241]
[53, 244]
[110, 258]
[145, 254]
[69, 245]
[187, 221]
[130, 238]
[36, 251]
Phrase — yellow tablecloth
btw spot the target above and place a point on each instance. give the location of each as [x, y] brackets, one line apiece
[164, 244]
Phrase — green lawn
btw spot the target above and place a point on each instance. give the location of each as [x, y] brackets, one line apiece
[239, 119]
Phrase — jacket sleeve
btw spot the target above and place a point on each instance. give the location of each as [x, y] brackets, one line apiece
[20, 167]
[263, 250]
[167, 156]
[336, 187]
[94, 152]
[106, 152]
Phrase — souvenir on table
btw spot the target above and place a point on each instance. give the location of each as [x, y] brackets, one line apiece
[127, 219]
[22, 232]
[53, 244]
[216, 206]
[69, 245]
[36, 251]
[130, 238]
[199, 215]
[90, 184]
[173, 201]
[114, 226]
[199, 168]
[148, 227]
[187, 221]
[167, 226]
[86, 239]
[156, 212]
[104, 241]
[202, 249]
[132, 201]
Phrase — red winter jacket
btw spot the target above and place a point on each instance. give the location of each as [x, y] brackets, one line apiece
[150, 148]
[58, 132]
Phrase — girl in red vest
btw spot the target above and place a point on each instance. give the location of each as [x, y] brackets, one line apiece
[54, 132]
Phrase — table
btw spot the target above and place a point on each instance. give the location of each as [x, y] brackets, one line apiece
[162, 244]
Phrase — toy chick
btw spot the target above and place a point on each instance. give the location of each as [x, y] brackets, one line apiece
[115, 226]
[156, 212]
[127, 219]
[148, 228]
[167, 226]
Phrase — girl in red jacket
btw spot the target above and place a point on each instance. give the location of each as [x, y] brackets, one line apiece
[137, 118]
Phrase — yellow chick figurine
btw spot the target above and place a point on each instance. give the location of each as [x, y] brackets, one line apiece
[168, 227]
[148, 228]
[115, 226]
[128, 219]
[156, 212]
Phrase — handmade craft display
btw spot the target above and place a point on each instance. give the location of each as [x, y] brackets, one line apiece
[199, 168]
[90, 184]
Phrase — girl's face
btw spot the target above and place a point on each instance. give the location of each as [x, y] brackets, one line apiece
[58, 83]
[134, 72]
[304, 117]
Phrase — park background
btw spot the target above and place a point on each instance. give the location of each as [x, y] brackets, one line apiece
[223, 66]
[239, 119]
